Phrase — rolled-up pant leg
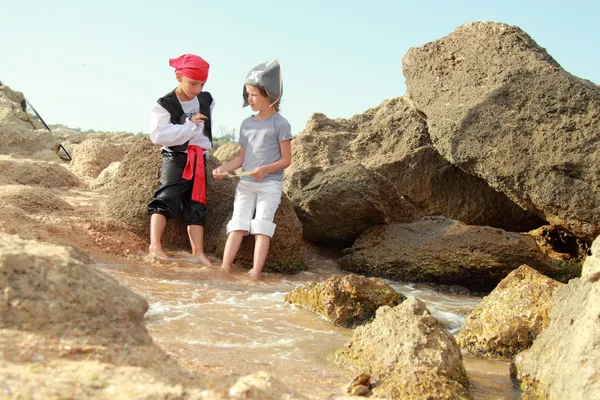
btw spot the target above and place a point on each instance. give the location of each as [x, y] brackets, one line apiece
[268, 197]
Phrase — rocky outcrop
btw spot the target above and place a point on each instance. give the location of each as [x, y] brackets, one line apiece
[35, 173]
[508, 320]
[408, 354]
[500, 107]
[440, 250]
[343, 201]
[32, 200]
[18, 134]
[346, 301]
[562, 363]
[92, 156]
[106, 177]
[134, 185]
[227, 151]
[392, 141]
[47, 289]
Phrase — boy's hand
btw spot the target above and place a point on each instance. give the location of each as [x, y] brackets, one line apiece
[198, 118]
[219, 173]
[259, 173]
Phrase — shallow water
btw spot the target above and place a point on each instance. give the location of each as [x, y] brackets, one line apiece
[223, 325]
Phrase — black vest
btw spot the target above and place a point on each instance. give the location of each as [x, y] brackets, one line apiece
[171, 103]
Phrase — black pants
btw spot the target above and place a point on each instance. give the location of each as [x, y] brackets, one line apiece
[174, 195]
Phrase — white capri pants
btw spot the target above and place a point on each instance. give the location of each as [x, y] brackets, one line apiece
[254, 207]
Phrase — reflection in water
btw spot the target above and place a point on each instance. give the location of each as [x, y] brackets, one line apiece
[222, 325]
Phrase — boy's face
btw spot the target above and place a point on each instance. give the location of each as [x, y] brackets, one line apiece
[257, 101]
[190, 87]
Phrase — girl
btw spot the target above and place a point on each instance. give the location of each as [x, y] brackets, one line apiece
[265, 151]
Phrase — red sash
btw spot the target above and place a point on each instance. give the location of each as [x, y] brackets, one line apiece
[195, 156]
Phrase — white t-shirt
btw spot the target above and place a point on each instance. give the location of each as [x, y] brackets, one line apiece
[163, 132]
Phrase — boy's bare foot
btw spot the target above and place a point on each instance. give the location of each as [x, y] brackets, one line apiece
[254, 275]
[157, 253]
[203, 259]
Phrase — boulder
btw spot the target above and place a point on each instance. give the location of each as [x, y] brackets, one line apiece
[346, 301]
[92, 156]
[562, 363]
[444, 251]
[498, 106]
[341, 202]
[508, 320]
[50, 289]
[392, 140]
[409, 355]
[36, 173]
[106, 177]
[227, 151]
[32, 199]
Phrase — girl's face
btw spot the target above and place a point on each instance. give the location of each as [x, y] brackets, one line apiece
[189, 87]
[257, 101]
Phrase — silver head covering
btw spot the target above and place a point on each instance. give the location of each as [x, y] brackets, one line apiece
[267, 77]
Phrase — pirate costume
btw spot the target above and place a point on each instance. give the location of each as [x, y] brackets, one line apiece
[256, 201]
[182, 189]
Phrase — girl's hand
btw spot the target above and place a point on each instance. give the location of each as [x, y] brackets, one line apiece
[198, 118]
[219, 173]
[259, 173]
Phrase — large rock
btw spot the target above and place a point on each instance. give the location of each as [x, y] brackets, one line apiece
[591, 267]
[340, 203]
[409, 353]
[94, 155]
[562, 363]
[392, 140]
[509, 319]
[47, 288]
[37, 173]
[227, 151]
[106, 177]
[136, 181]
[33, 200]
[500, 107]
[346, 301]
[440, 250]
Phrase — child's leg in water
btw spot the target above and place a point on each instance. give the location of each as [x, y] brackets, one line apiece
[262, 226]
[196, 235]
[157, 227]
[234, 240]
[261, 249]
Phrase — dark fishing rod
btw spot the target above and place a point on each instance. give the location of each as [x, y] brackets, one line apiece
[60, 146]
[28, 103]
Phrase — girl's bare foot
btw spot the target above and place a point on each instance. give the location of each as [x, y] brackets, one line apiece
[225, 268]
[203, 259]
[254, 275]
[157, 253]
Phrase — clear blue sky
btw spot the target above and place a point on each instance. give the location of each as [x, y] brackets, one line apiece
[101, 64]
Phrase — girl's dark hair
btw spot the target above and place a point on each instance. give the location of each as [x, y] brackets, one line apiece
[263, 93]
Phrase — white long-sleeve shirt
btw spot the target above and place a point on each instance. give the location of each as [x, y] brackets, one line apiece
[165, 133]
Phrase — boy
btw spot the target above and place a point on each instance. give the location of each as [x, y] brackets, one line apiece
[181, 122]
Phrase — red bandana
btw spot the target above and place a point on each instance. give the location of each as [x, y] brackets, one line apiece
[192, 66]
